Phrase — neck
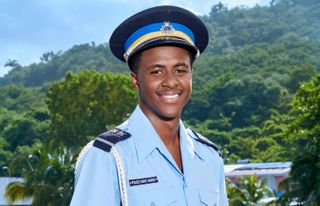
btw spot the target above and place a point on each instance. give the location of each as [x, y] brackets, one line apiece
[168, 131]
[167, 128]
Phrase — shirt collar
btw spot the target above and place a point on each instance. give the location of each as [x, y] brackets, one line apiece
[188, 140]
[146, 138]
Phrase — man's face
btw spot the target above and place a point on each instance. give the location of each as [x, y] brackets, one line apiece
[164, 81]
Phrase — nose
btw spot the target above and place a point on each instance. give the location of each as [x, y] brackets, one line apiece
[170, 80]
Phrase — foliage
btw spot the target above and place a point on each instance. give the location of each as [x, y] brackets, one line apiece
[245, 101]
[241, 26]
[17, 129]
[244, 82]
[5, 155]
[48, 176]
[54, 66]
[21, 99]
[23, 131]
[84, 105]
[249, 191]
[303, 135]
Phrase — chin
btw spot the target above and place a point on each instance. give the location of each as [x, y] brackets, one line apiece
[162, 111]
[169, 114]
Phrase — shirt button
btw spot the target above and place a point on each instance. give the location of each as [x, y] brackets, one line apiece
[185, 185]
[153, 204]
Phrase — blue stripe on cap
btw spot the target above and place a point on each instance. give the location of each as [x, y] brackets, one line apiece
[154, 28]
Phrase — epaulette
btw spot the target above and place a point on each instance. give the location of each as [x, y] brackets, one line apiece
[107, 140]
[205, 141]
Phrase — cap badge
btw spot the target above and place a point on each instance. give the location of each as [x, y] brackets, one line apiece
[167, 28]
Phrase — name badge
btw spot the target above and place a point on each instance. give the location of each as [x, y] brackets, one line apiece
[143, 181]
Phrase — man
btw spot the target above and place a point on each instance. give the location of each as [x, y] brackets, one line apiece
[152, 159]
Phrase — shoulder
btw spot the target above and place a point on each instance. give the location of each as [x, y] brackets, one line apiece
[203, 140]
[103, 142]
[107, 140]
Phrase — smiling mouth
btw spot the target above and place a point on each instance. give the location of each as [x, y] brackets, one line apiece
[169, 98]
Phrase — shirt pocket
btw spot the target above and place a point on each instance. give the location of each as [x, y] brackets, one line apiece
[155, 197]
[208, 198]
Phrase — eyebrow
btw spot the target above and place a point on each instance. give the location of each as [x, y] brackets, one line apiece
[163, 66]
[181, 64]
[155, 65]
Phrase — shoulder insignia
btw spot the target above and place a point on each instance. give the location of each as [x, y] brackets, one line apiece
[107, 140]
[205, 141]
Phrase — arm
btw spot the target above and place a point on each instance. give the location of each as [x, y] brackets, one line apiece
[96, 182]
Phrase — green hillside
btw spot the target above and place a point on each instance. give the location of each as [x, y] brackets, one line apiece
[256, 94]
[53, 66]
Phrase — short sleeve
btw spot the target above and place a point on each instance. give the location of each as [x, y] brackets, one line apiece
[97, 182]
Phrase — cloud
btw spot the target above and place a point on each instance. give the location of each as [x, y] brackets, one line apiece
[30, 28]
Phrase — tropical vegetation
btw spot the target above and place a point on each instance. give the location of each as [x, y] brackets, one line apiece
[256, 94]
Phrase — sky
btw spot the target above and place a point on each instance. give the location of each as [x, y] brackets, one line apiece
[30, 28]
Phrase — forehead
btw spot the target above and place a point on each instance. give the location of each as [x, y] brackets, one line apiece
[165, 54]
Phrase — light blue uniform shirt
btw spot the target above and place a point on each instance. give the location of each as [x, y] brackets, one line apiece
[146, 157]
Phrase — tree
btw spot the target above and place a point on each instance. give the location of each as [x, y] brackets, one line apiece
[5, 155]
[84, 105]
[216, 9]
[49, 56]
[24, 131]
[11, 63]
[303, 135]
[48, 175]
[21, 99]
[250, 191]
[245, 100]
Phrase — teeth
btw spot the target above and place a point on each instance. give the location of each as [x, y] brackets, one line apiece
[171, 96]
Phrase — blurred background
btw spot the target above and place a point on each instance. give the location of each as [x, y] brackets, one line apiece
[256, 94]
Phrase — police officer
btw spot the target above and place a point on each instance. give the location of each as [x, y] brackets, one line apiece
[152, 159]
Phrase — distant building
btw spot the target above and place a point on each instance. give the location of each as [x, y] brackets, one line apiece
[4, 181]
[272, 172]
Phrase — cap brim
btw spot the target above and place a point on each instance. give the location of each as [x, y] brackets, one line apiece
[166, 42]
[159, 14]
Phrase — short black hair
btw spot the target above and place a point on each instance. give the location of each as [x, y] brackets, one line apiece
[134, 60]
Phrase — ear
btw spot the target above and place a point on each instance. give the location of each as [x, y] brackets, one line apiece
[134, 80]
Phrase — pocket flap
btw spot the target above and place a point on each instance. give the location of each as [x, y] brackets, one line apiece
[209, 198]
[154, 197]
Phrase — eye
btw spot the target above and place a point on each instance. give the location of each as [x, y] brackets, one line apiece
[181, 71]
[182, 68]
[156, 71]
